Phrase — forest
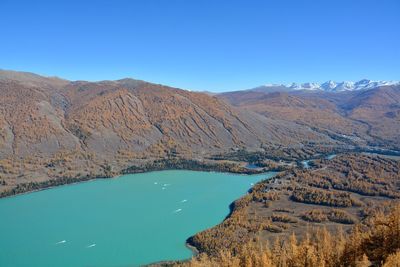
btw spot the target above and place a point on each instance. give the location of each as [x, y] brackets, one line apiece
[290, 220]
[376, 243]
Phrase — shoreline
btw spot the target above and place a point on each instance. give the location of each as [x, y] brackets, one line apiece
[154, 166]
[210, 168]
[175, 164]
[120, 175]
[165, 263]
[190, 244]
[193, 249]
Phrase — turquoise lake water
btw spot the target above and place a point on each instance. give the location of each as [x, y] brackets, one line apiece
[127, 221]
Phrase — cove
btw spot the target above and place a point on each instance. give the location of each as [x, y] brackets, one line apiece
[127, 221]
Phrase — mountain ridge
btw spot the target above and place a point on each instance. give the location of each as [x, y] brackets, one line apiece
[371, 115]
[328, 86]
[54, 130]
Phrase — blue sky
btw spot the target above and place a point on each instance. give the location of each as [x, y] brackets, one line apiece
[204, 44]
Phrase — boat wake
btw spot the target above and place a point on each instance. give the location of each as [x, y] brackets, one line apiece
[183, 201]
[61, 242]
[178, 210]
[90, 246]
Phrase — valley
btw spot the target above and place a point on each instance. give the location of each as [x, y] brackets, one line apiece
[337, 204]
[55, 131]
[200, 133]
[335, 152]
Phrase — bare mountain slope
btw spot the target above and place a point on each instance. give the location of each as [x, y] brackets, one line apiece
[52, 128]
[380, 110]
[365, 116]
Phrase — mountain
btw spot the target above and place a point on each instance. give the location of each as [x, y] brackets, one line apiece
[56, 131]
[329, 86]
[52, 128]
[369, 116]
[378, 108]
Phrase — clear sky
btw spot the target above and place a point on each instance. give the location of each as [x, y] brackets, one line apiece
[203, 44]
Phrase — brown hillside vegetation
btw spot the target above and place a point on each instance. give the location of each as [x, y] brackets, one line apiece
[375, 244]
[53, 130]
[334, 194]
[380, 110]
[363, 117]
[335, 213]
[316, 112]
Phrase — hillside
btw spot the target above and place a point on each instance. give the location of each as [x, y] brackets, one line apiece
[379, 109]
[375, 244]
[366, 117]
[57, 129]
[340, 212]
[54, 131]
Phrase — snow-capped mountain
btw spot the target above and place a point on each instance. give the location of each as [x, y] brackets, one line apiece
[332, 86]
[308, 86]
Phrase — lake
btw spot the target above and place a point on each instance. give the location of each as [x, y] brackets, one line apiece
[127, 221]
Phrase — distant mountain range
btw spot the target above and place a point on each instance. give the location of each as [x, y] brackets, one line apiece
[370, 112]
[329, 86]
